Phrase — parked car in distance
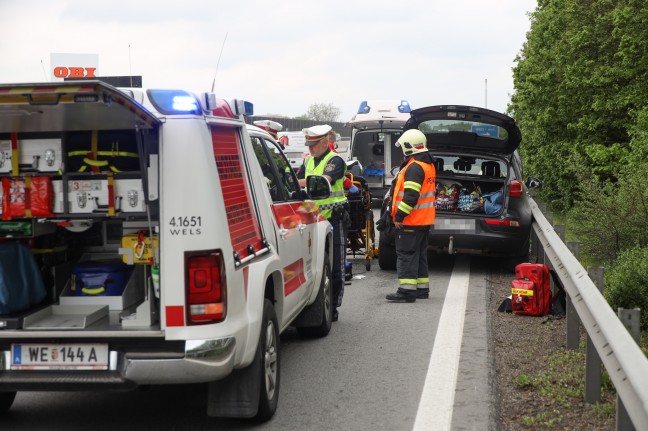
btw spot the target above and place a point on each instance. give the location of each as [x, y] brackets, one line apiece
[482, 204]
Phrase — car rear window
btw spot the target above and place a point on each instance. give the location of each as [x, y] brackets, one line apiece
[448, 125]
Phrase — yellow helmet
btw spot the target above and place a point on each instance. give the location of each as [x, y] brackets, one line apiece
[411, 142]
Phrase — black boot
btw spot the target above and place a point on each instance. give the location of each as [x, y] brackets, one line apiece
[422, 293]
[402, 295]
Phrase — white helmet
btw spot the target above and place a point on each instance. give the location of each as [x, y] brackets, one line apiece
[412, 142]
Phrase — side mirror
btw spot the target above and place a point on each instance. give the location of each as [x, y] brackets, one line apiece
[533, 183]
[318, 187]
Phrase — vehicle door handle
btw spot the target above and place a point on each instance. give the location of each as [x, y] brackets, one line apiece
[283, 232]
[301, 228]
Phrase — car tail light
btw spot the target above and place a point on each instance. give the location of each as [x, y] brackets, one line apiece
[206, 287]
[503, 222]
[515, 189]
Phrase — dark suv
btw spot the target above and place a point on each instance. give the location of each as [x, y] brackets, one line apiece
[482, 204]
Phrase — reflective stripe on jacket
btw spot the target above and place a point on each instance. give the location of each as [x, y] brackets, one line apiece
[424, 212]
[337, 197]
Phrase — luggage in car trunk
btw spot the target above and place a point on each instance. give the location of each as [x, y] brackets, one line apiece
[468, 196]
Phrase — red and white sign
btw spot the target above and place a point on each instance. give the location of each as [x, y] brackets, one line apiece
[73, 66]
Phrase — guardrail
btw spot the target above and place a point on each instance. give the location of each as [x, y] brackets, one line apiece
[624, 361]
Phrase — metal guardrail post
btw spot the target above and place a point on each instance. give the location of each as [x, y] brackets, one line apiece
[593, 365]
[630, 318]
[573, 322]
[549, 217]
[535, 247]
[560, 231]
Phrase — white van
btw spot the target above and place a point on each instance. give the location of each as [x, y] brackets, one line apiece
[372, 154]
[295, 148]
[158, 241]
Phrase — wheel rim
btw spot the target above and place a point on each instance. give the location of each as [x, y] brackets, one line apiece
[270, 360]
[327, 294]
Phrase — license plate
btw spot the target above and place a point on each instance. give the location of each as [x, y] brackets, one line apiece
[59, 356]
[467, 225]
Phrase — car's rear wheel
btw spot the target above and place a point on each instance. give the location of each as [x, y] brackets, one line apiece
[386, 253]
[522, 257]
[6, 400]
[270, 377]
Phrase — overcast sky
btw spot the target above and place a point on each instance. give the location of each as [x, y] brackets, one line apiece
[281, 55]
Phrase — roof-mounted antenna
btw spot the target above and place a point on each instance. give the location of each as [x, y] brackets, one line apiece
[130, 71]
[218, 62]
[44, 74]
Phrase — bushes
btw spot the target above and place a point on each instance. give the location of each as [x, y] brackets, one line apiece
[610, 218]
[626, 284]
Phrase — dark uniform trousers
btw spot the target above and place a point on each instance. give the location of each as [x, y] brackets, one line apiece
[339, 221]
[411, 250]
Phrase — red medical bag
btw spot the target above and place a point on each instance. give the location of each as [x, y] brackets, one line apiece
[26, 197]
[531, 290]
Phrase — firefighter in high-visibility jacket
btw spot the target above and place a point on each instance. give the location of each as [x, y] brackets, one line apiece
[413, 213]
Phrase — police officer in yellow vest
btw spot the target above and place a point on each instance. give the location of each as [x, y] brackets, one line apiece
[323, 161]
[413, 213]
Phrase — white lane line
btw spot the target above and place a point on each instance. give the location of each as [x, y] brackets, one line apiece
[437, 400]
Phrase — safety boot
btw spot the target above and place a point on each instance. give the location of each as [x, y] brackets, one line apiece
[402, 295]
[422, 293]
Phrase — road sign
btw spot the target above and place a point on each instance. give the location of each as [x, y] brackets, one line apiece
[485, 130]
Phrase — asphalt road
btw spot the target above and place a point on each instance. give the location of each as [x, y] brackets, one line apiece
[383, 366]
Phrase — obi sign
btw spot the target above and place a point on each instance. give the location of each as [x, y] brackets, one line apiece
[73, 66]
[74, 72]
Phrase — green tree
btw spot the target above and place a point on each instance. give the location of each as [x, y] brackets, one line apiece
[572, 95]
[626, 285]
[322, 112]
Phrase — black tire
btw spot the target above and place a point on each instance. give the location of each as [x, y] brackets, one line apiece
[268, 350]
[325, 299]
[368, 265]
[386, 254]
[6, 401]
[512, 261]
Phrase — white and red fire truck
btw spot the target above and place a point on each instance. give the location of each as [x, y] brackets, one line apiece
[171, 245]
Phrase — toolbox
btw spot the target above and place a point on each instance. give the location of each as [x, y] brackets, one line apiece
[34, 155]
[88, 196]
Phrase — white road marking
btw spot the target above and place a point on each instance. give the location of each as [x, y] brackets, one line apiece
[437, 400]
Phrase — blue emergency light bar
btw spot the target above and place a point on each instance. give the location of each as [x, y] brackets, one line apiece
[174, 102]
[245, 108]
[404, 107]
[364, 108]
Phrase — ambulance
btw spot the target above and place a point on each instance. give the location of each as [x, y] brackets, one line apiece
[376, 127]
[148, 237]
